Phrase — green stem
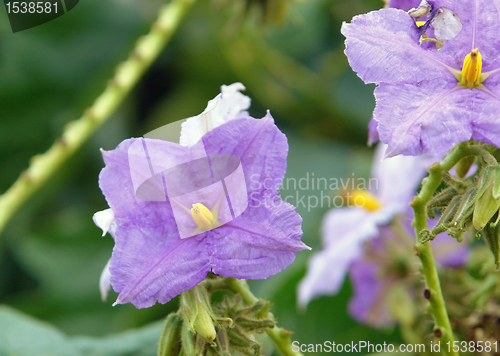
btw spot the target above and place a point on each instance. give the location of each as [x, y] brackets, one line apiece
[282, 338]
[424, 251]
[128, 73]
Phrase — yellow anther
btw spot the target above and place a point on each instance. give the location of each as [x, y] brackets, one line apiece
[420, 24]
[363, 199]
[471, 70]
[202, 216]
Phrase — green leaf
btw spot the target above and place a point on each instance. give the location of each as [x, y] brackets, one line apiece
[23, 335]
[138, 342]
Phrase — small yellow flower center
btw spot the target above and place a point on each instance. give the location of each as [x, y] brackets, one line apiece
[471, 71]
[202, 216]
[420, 24]
[364, 199]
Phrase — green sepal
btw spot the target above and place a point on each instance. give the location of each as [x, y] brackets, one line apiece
[496, 185]
[200, 345]
[443, 222]
[187, 340]
[459, 184]
[253, 325]
[189, 308]
[169, 344]
[491, 236]
[222, 341]
[239, 339]
[440, 201]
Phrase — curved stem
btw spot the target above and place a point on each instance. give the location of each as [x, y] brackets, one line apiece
[424, 251]
[128, 73]
[282, 338]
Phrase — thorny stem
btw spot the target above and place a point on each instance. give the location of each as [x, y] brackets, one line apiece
[128, 73]
[424, 251]
[280, 337]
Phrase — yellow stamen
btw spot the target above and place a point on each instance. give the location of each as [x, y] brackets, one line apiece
[471, 70]
[202, 216]
[364, 199]
[419, 24]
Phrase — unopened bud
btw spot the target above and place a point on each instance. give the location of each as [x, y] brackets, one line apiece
[198, 313]
[488, 201]
[464, 165]
[169, 339]
[204, 325]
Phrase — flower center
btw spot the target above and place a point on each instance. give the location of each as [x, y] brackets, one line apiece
[471, 71]
[420, 24]
[202, 216]
[364, 199]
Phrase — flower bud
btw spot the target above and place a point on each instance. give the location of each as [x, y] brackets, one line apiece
[488, 197]
[198, 313]
[169, 339]
[464, 165]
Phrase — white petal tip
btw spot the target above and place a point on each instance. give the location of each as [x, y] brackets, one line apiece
[104, 219]
[105, 282]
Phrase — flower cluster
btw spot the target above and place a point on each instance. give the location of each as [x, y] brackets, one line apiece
[345, 230]
[374, 244]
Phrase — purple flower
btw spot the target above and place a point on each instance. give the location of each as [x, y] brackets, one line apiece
[368, 304]
[346, 229]
[386, 274]
[151, 260]
[428, 100]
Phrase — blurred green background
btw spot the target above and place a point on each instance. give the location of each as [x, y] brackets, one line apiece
[51, 254]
